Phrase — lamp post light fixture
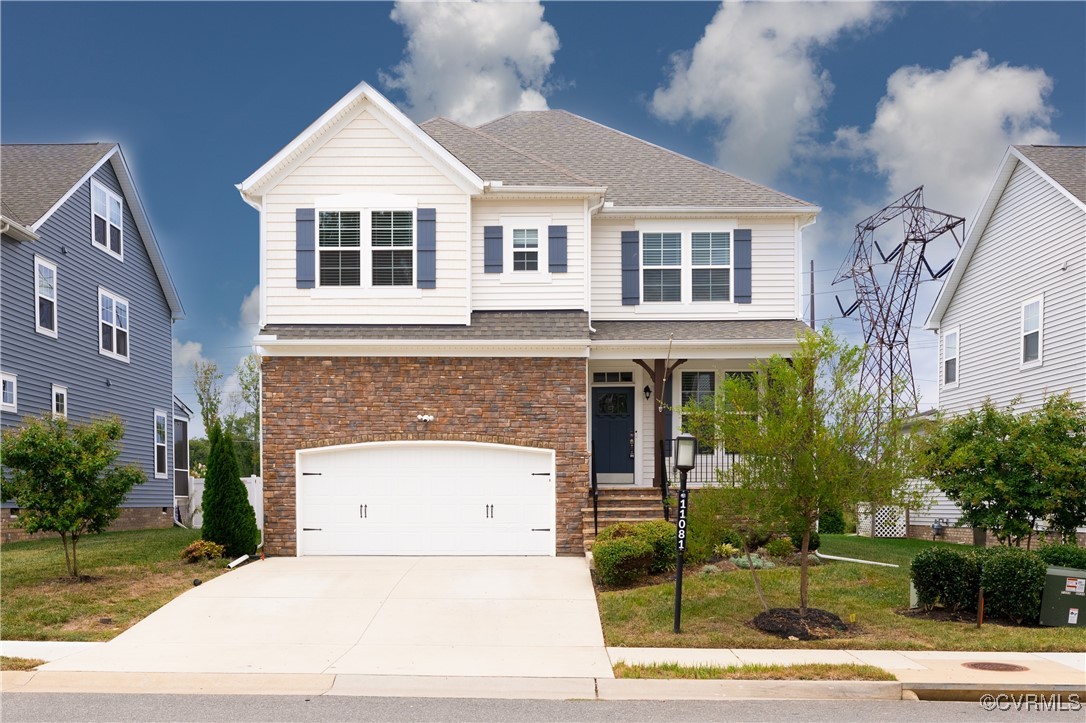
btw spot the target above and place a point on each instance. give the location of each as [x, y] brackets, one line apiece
[686, 448]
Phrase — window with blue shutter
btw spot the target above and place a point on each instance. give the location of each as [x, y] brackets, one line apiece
[556, 249]
[305, 248]
[742, 266]
[631, 268]
[426, 245]
[492, 249]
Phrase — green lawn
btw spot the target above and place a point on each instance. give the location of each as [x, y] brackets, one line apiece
[800, 671]
[131, 574]
[717, 609]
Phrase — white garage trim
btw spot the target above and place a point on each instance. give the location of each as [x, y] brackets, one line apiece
[426, 497]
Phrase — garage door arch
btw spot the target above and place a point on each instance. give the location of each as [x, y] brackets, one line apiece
[425, 497]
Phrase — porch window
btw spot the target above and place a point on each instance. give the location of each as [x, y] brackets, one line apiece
[698, 387]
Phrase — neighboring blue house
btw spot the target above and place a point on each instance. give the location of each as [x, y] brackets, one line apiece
[87, 307]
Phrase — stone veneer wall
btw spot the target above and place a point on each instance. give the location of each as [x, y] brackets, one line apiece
[313, 402]
[132, 518]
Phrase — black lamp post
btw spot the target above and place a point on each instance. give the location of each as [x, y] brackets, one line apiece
[686, 447]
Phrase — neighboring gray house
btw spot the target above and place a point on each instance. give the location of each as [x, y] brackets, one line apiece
[1011, 316]
[87, 307]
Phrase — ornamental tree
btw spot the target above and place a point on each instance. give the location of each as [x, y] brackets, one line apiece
[229, 519]
[809, 438]
[61, 476]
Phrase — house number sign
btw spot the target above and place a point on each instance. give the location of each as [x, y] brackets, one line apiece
[680, 522]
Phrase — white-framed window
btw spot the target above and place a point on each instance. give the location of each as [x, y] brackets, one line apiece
[160, 444]
[45, 296]
[60, 401]
[525, 249]
[698, 387]
[9, 392]
[661, 261]
[107, 220]
[951, 344]
[113, 325]
[1032, 329]
[711, 266]
[389, 255]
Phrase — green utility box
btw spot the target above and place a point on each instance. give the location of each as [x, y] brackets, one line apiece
[1063, 602]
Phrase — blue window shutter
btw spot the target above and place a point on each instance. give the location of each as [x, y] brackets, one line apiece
[492, 249]
[426, 248]
[305, 248]
[742, 238]
[631, 268]
[556, 249]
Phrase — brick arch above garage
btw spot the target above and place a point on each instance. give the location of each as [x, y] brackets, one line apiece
[311, 402]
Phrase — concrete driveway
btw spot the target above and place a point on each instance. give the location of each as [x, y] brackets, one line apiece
[432, 616]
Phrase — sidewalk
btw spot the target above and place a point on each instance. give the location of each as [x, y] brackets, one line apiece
[923, 674]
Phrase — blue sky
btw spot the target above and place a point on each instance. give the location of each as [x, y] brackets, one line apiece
[847, 105]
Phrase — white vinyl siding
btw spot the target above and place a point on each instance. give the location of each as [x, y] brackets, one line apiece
[527, 290]
[1033, 218]
[774, 281]
[9, 392]
[365, 156]
[45, 296]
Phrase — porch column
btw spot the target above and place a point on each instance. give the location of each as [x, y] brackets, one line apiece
[659, 373]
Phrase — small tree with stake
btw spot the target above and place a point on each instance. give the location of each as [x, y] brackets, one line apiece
[810, 439]
[59, 473]
[229, 519]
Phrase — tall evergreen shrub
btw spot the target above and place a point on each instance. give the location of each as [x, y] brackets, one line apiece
[229, 519]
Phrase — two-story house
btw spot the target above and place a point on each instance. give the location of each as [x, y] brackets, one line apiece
[1011, 317]
[87, 309]
[458, 323]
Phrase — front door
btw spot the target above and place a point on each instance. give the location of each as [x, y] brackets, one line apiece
[613, 434]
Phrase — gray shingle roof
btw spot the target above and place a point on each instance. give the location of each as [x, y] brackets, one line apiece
[485, 326]
[493, 160]
[1066, 165]
[716, 330]
[33, 177]
[635, 172]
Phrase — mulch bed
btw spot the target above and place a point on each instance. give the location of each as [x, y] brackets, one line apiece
[786, 623]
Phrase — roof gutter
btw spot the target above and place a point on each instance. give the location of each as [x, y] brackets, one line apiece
[718, 210]
[16, 230]
[500, 187]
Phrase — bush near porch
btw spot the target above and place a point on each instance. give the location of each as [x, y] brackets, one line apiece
[717, 609]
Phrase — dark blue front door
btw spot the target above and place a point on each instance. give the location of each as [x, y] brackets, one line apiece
[612, 430]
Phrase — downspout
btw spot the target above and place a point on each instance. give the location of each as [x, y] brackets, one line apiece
[588, 258]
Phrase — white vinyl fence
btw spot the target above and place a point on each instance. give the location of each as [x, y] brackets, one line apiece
[253, 485]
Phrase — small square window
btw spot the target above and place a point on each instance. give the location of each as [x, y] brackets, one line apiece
[525, 249]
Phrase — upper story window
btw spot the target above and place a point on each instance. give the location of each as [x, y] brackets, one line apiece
[45, 292]
[60, 402]
[160, 444]
[113, 326]
[950, 357]
[662, 260]
[391, 252]
[107, 213]
[392, 236]
[525, 249]
[9, 393]
[710, 260]
[1032, 327]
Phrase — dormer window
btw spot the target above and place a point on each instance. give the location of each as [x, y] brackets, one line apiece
[525, 249]
[107, 213]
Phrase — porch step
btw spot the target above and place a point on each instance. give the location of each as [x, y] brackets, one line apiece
[623, 504]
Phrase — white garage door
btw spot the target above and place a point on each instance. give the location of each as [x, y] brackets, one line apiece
[426, 498]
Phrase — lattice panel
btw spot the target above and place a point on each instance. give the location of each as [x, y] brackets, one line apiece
[888, 522]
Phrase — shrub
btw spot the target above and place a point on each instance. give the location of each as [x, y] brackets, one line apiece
[947, 577]
[660, 534]
[795, 534]
[622, 560]
[779, 548]
[202, 550]
[832, 521]
[1064, 555]
[229, 519]
[757, 562]
[726, 550]
[1013, 581]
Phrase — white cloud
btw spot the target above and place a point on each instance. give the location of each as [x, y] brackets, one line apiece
[754, 73]
[185, 354]
[947, 129]
[473, 61]
[250, 308]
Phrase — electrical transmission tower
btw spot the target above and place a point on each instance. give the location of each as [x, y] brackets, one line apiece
[886, 308]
